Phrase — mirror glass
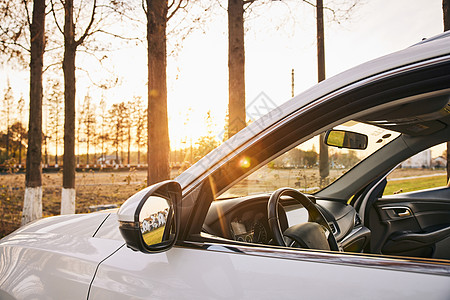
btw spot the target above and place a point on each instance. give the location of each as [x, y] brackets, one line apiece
[346, 139]
[153, 217]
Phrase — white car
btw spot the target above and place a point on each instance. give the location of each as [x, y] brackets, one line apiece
[257, 219]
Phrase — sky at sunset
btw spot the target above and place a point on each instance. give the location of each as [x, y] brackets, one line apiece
[277, 41]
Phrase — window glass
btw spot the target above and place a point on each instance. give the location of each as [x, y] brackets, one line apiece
[299, 167]
[424, 170]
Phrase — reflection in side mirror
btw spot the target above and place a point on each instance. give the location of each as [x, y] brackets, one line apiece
[149, 220]
[346, 139]
[153, 219]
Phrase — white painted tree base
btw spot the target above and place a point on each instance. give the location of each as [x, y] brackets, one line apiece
[67, 201]
[32, 204]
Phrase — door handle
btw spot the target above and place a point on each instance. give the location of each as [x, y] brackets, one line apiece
[398, 211]
[406, 213]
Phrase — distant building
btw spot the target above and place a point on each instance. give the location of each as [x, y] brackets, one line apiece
[420, 160]
[439, 162]
[109, 160]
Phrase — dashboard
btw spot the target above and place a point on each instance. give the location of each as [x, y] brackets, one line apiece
[245, 220]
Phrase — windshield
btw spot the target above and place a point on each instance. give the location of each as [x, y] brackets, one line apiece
[300, 167]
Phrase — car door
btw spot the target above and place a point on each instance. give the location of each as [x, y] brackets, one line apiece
[205, 267]
[220, 271]
[409, 211]
[415, 223]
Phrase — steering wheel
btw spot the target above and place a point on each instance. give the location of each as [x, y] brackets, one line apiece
[315, 234]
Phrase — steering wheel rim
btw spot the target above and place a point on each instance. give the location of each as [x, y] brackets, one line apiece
[314, 215]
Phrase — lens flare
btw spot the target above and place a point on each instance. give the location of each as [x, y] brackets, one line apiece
[244, 162]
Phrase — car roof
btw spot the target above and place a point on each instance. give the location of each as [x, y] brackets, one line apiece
[433, 47]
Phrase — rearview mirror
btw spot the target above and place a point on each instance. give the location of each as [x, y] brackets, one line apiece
[346, 139]
[149, 220]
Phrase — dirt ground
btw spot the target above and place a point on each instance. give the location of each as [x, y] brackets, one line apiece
[100, 188]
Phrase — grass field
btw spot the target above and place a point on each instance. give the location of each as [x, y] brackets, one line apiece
[100, 188]
[409, 185]
[155, 236]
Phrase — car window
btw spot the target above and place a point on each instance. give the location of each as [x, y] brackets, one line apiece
[424, 170]
[299, 167]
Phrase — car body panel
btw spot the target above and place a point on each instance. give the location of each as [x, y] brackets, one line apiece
[110, 229]
[55, 256]
[65, 224]
[219, 272]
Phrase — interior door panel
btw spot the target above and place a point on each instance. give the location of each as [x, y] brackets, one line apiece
[412, 224]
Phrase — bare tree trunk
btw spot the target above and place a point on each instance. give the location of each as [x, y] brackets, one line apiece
[324, 168]
[32, 206]
[68, 191]
[7, 139]
[88, 134]
[236, 67]
[446, 13]
[138, 155]
[20, 150]
[158, 129]
[129, 144]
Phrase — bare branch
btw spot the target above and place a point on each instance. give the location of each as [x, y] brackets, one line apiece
[220, 5]
[28, 13]
[120, 13]
[51, 65]
[54, 16]
[144, 7]
[171, 4]
[250, 2]
[114, 35]
[86, 32]
[329, 9]
[179, 6]
[92, 81]
[15, 44]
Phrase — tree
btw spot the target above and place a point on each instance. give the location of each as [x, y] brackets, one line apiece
[117, 123]
[55, 115]
[140, 118]
[15, 31]
[103, 136]
[8, 111]
[71, 44]
[32, 206]
[324, 166]
[206, 143]
[20, 110]
[446, 13]
[158, 13]
[310, 158]
[70, 48]
[128, 123]
[17, 135]
[88, 118]
[236, 66]
[95, 14]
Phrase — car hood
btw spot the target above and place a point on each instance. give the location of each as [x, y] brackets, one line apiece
[67, 245]
[75, 225]
[100, 225]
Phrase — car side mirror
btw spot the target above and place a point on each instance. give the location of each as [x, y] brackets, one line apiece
[346, 139]
[149, 220]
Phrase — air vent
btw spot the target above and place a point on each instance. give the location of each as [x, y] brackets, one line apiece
[333, 228]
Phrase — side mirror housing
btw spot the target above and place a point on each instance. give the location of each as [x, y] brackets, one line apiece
[346, 139]
[149, 220]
